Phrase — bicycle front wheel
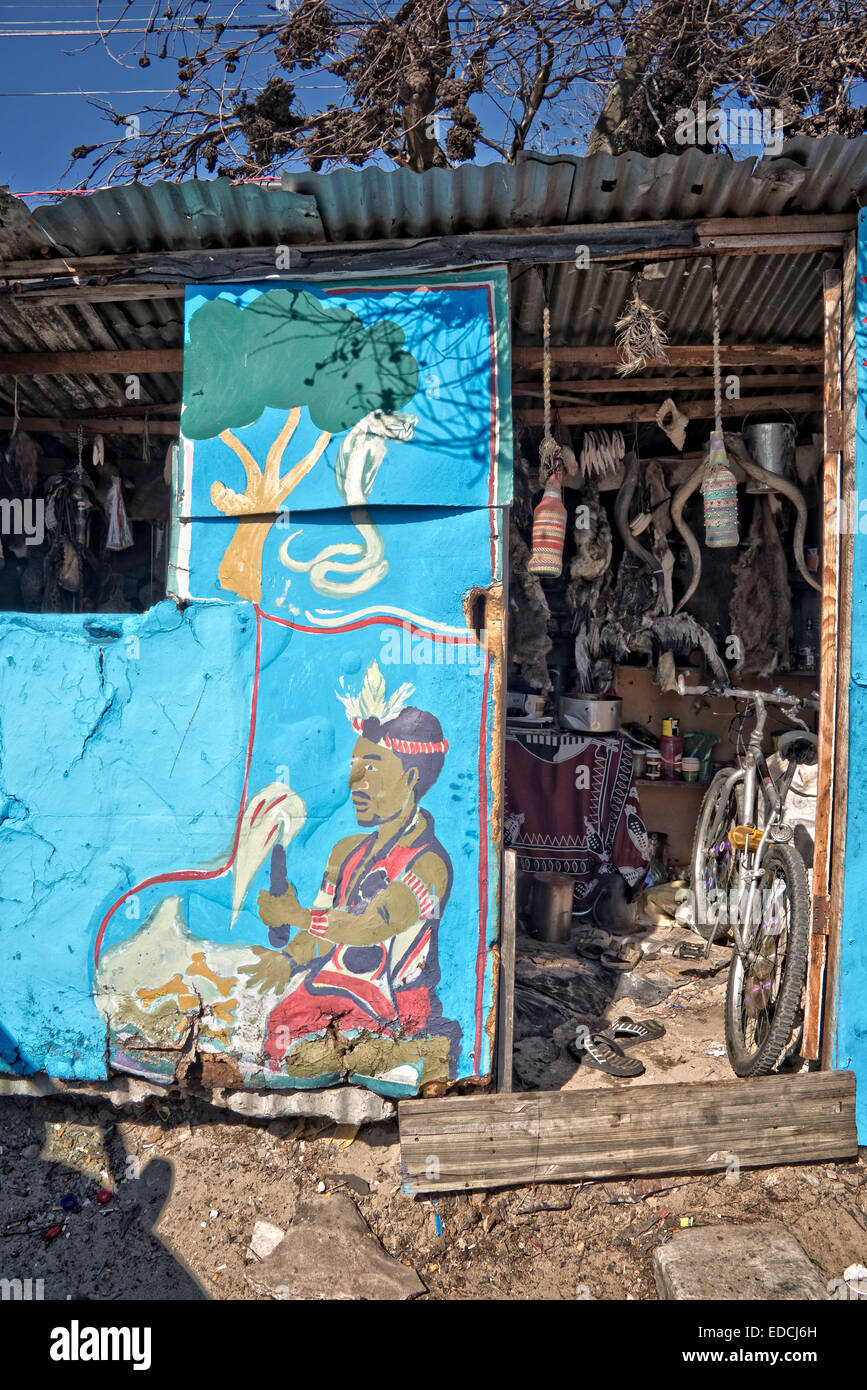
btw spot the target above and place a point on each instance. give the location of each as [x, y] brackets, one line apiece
[714, 874]
[764, 999]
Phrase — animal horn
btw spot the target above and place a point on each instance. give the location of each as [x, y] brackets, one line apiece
[742, 456]
[678, 502]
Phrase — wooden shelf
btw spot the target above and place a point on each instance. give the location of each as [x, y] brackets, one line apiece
[670, 782]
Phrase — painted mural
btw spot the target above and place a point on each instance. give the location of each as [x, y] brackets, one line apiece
[851, 1034]
[287, 859]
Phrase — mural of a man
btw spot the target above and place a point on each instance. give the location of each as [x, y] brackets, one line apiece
[365, 954]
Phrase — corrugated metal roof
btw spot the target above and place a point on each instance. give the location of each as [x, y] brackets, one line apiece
[181, 217]
[764, 298]
[557, 190]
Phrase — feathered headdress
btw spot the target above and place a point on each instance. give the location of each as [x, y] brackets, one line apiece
[371, 703]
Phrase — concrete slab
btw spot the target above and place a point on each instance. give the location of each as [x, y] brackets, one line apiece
[330, 1252]
[761, 1263]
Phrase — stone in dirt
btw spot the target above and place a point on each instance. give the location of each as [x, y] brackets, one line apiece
[264, 1240]
[330, 1252]
[761, 1262]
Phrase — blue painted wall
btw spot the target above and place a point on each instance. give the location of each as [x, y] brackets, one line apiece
[851, 1039]
[131, 744]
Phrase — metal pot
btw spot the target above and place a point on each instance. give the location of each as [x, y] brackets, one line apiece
[772, 446]
[592, 714]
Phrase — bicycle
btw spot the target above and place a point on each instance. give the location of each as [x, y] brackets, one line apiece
[749, 879]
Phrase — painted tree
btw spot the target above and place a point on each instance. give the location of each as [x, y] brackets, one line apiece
[289, 351]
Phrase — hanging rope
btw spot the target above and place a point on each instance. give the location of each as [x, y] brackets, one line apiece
[719, 488]
[549, 517]
[546, 366]
[550, 454]
[717, 372]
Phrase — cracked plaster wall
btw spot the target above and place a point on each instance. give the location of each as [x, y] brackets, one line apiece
[119, 745]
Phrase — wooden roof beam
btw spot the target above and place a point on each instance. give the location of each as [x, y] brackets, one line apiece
[798, 234]
[105, 425]
[644, 412]
[87, 362]
[568, 390]
[688, 355]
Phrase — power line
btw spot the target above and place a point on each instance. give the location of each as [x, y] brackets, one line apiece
[119, 92]
[117, 29]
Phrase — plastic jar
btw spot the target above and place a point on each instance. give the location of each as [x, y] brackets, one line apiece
[671, 754]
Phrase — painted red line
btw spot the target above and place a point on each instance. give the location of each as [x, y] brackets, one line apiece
[198, 875]
[481, 954]
[388, 619]
[256, 812]
[271, 833]
[275, 802]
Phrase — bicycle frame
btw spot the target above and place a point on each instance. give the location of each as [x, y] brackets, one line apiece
[755, 776]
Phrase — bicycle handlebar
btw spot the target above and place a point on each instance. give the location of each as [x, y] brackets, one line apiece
[782, 699]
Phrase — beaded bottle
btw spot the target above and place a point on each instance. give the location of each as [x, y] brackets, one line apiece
[720, 494]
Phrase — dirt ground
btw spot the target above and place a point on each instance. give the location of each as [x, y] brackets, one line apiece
[189, 1182]
[558, 989]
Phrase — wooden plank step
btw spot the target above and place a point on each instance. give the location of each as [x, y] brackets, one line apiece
[467, 1142]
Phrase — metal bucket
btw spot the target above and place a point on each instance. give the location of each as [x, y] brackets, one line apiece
[772, 446]
[552, 907]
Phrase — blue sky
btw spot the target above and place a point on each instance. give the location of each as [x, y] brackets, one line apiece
[46, 67]
[38, 131]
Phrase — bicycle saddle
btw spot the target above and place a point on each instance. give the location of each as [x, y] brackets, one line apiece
[802, 747]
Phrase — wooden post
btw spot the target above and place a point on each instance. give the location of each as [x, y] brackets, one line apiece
[506, 1021]
[843, 656]
[829, 635]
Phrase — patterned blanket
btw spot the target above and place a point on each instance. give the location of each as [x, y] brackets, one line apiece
[572, 807]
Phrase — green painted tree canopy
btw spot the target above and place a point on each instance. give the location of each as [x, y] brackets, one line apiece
[285, 349]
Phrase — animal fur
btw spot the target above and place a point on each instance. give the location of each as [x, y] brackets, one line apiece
[761, 607]
[528, 616]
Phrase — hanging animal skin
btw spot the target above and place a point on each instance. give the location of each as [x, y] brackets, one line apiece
[621, 517]
[742, 456]
[355, 469]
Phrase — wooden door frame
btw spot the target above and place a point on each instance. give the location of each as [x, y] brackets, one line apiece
[826, 812]
[843, 653]
[839, 416]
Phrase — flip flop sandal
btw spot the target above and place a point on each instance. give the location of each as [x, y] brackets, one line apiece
[629, 1031]
[621, 958]
[604, 1054]
[594, 945]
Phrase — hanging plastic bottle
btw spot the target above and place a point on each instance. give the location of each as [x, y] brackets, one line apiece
[720, 493]
[549, 517]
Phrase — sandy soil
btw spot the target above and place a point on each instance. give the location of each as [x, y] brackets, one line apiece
[686, 996]
[189, 1182]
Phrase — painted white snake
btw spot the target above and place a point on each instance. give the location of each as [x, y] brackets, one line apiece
[355, 469]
